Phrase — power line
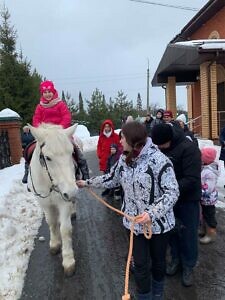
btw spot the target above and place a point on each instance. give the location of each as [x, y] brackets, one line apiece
[167, 5]
[100, 80]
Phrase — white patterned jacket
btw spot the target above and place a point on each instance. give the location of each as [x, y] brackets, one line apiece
[149, 184]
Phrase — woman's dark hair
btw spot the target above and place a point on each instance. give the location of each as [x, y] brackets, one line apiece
[136, 135]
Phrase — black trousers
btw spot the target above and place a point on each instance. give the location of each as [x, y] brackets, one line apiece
[149, 260]
[209, 215]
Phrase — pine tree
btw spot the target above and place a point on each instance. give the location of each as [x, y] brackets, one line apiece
[17, 83]
[81, 103]
[73, 107]
[122, 108]
[111, 105]
[139, 103]
[63, 96]
[97, 111]
[81, 116]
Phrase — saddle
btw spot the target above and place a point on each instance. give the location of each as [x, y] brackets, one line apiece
[28, 151]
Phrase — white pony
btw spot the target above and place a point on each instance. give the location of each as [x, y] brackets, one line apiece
[52, 179]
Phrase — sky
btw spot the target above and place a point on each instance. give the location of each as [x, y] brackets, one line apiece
[21, 216]
[81, 45]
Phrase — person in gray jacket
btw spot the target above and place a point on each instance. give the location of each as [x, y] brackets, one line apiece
[150, 192]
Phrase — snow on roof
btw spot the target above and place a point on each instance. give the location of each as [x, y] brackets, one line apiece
[7, 113]
[205, 44]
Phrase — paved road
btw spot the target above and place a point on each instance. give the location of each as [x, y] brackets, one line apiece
[100, 245]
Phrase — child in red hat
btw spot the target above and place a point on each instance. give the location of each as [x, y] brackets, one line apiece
[209, 176]
[51, 108]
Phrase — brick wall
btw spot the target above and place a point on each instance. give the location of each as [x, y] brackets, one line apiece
[213, 98]
[13, 128]
[216, 23]
[171, 95]
[205, 100]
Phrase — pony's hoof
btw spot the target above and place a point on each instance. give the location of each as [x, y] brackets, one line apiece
[69, 271]
[55, 250]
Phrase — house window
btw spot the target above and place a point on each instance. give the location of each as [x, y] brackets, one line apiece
[214, 35]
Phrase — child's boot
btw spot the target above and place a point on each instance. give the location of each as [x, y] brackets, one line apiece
[210, 236]
[202, 229]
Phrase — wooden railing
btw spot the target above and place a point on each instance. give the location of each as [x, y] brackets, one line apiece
[195, 125]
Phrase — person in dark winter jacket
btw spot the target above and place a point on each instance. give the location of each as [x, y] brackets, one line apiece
[150, 192]
[112, 159]
[158, 118]
[148, 121]
[82, 170]
[26, 139]
[186, 159]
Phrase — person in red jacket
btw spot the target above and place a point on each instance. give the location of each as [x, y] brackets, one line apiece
[51, 108]
[106, 138]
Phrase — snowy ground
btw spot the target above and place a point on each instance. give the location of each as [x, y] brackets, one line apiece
[20, 218]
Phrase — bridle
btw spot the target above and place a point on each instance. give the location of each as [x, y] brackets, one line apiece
[53, 187]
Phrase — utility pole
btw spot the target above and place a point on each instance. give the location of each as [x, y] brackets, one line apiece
[148, 88]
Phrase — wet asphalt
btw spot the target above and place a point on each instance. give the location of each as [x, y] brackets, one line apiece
[100, 245]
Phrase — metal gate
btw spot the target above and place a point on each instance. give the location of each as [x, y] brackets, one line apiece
[5, 159]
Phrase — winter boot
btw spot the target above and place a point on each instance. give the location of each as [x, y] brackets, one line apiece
[210, 236]
[187, 276]
[202, 229]
[147, 296]
[157, 289]
[24, 180]
[172, 267]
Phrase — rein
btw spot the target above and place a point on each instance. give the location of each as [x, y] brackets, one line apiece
[147, 233]
[53, 187]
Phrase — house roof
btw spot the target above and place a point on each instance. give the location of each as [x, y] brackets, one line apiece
[183, 60]
[204, 14]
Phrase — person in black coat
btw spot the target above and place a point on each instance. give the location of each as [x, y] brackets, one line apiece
[26, 139]
[148, 121]
[186, 159]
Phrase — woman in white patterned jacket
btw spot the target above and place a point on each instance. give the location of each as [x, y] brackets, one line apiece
[150, 191]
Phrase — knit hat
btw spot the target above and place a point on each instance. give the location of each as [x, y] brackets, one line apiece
[129, 119]
[208, 155]
[161, 110]
[168, 113]
[162, 133]
[182, 118]
[47, 86]
[114, 146]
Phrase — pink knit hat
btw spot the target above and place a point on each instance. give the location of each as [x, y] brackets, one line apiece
[168, 113]
[208, 155]
[47, 86]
